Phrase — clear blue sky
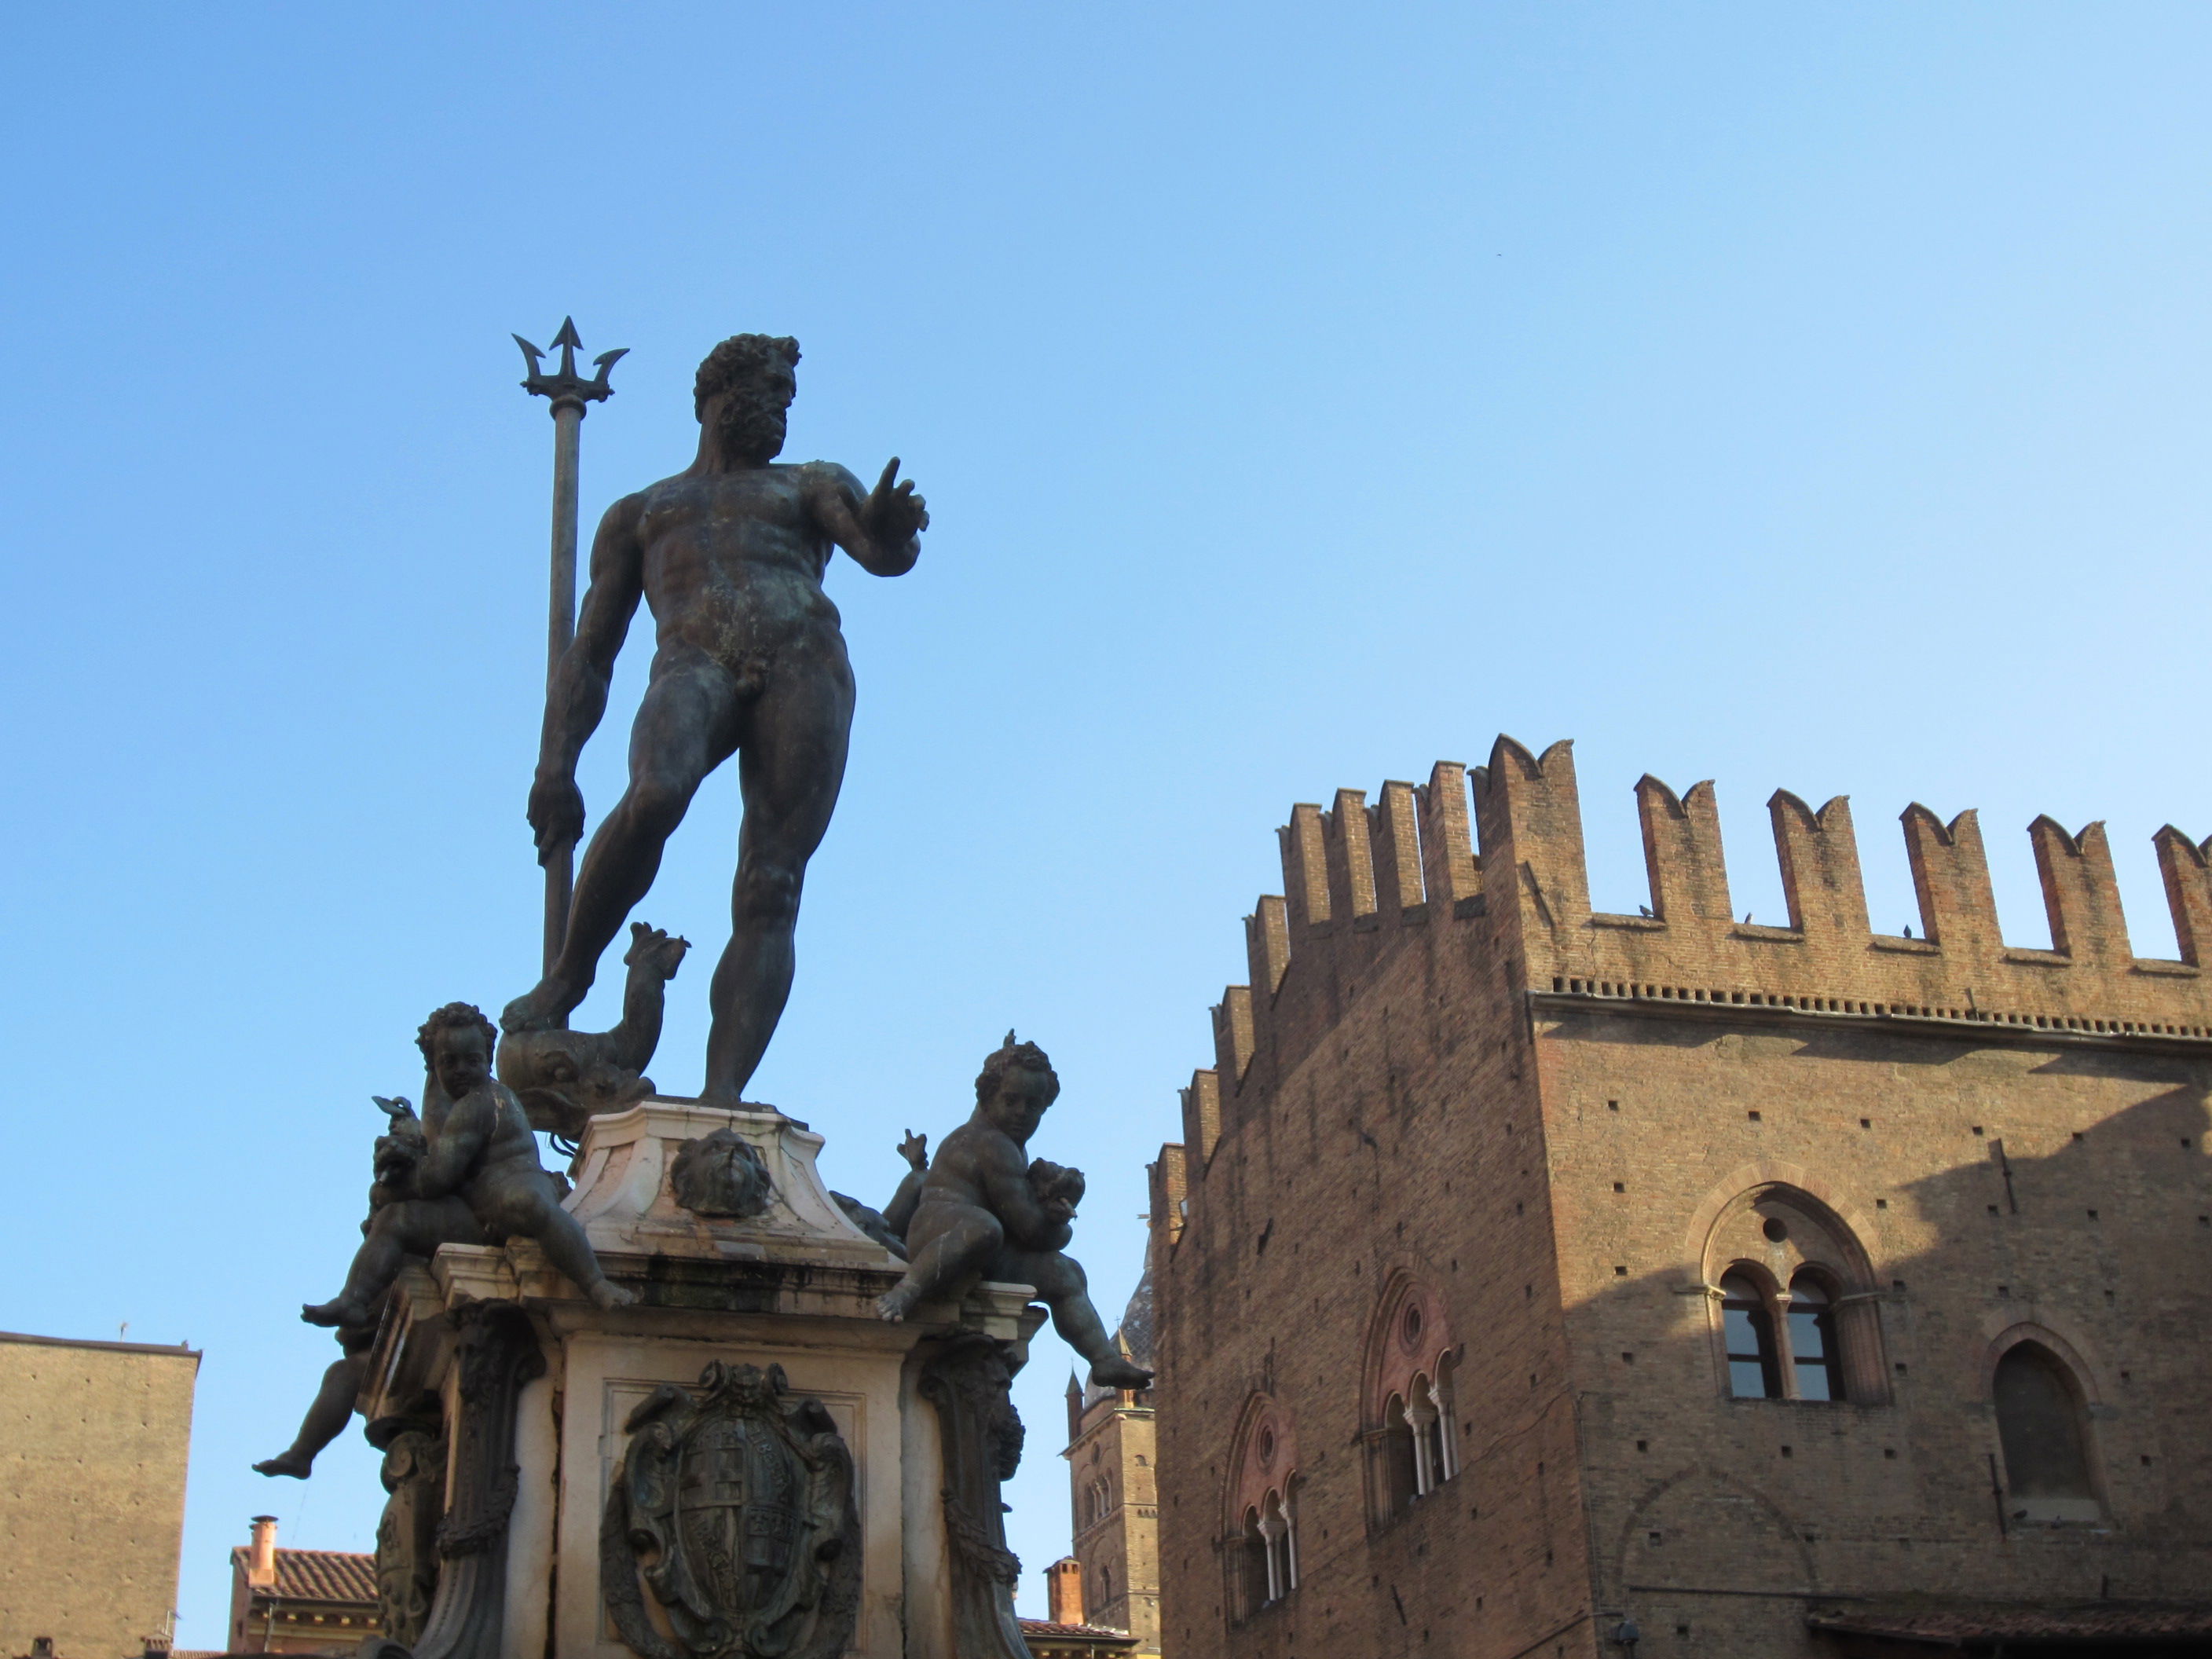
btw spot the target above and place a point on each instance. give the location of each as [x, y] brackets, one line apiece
[1814, 396]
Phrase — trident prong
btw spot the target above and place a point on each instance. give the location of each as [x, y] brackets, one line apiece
[565, 385]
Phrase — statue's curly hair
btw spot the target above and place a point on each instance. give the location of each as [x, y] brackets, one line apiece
[1010, 1054]
[737, 359]
[452, 1015]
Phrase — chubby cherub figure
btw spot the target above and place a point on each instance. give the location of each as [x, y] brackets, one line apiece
[480, 1150]
[985, 1210]
[398, 1152]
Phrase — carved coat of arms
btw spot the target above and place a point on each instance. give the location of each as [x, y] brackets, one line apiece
[734, 1508]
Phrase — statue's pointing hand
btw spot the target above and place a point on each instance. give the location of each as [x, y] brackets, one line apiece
[893, 514]
[557, 813]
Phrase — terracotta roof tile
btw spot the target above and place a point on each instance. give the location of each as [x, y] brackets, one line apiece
[320, 1576]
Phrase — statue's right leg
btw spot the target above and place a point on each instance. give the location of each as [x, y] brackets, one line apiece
[326, 1419]
[686, 727]
[529, 1203]
[376, 1265]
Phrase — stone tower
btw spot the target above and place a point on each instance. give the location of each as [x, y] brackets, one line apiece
[1110, 1460]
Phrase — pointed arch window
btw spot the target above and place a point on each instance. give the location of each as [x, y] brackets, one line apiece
[1747, 1323]
[1795, 1295]
[2041, 1429]
[1261, 1550]
[1410, 1430]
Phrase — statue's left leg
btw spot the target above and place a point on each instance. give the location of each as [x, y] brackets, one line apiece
[326, 1419]
[791, 765]
[1061, 1286]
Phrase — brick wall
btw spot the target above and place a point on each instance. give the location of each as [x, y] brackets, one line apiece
[1564, 1126]
[93, 1438]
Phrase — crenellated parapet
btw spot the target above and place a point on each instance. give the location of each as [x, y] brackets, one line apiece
[1495, 859]
[1962, 968]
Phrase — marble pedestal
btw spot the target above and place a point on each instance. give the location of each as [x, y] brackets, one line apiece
[794, 1285]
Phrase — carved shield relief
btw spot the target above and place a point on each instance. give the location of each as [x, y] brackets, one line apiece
[733, 1510]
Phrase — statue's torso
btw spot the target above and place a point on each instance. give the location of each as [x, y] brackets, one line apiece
[733, 560]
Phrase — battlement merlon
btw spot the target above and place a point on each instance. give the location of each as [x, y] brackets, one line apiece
[1528, 812]
[1167, 1186]
[1357, 878]
[1202, 1116]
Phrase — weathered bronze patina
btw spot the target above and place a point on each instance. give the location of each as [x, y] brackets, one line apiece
[480, 1148]
[563, 1077]
[729, 554]
[986, 1211]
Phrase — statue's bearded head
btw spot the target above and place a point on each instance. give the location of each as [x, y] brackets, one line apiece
[745, 388]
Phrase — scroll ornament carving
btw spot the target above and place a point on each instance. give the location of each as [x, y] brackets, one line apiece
[969, 1383]
[414, 1474]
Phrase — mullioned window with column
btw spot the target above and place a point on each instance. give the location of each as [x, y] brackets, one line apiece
[1409, 1426]
[1259, 1534]
[1796, 1309]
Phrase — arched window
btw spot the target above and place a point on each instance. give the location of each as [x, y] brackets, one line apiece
[1423, 1438]
[1411, 1433]
[1754, 1367]
[2047, 1452]
[1813, 1348]
[1820, 1340]
[1262, 1557]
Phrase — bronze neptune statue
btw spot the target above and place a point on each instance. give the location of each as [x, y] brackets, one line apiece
[729, 555]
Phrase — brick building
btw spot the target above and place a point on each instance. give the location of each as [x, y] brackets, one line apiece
[281, 1600]
[93, 1441]
[1113, 1578]
[1530, 1279]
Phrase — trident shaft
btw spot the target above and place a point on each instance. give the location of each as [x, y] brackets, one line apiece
[571, 393]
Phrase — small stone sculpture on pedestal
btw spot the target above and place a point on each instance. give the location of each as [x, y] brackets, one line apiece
[985, 1210]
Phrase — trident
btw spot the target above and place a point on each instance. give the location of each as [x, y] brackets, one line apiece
[570, 392]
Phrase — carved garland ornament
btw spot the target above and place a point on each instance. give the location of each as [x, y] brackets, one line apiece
[734, 1508]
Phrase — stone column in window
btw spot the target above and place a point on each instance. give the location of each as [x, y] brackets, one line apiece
[1446, 1457]
[1858, 1335]
[1418, 1416]
[1271, 1535]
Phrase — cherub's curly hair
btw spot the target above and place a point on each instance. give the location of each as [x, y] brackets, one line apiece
[1010, 1054]
[737, 359]
[452, 1015]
